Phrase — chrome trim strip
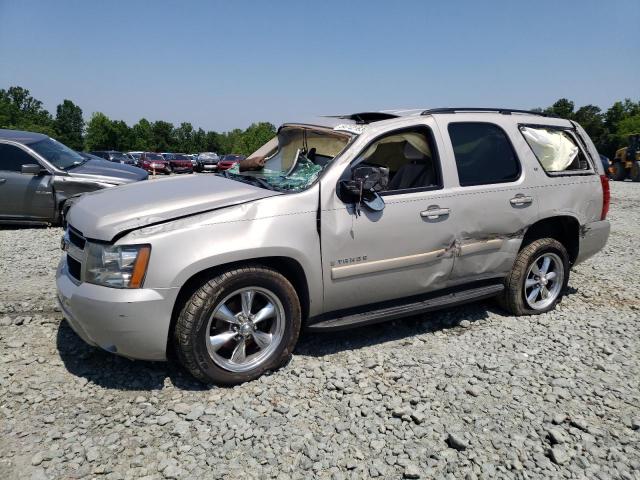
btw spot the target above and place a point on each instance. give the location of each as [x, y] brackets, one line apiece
[377, 266]
[482, 246]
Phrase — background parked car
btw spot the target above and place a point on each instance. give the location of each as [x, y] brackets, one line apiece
[113, 156]
[606, 164]
[207, 162]
[179, 162]
[229, 160]
[136, 157]
[39, 177]
[154, 162]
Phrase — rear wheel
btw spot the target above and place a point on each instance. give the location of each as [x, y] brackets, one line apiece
[238, 325]
[538, 278]
[635, 171]
[619, 171]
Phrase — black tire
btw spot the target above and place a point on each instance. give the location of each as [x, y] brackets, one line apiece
[513, 298]
[635, 171]
[190, 330]
[619, 172]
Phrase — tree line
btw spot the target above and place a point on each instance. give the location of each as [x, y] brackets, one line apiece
[19, 110]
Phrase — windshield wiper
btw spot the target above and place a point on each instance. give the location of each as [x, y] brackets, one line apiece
[262, 183]
[76, 164]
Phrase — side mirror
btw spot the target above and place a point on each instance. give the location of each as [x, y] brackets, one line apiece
[31, 169]
[364, 186]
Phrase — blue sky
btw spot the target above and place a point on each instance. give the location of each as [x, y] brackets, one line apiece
[222, 65]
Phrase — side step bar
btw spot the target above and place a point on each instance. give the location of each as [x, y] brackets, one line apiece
[405, 310]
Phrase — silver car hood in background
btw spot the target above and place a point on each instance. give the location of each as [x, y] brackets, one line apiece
[102, 215]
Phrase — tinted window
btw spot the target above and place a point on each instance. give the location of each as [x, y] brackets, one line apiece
[483, 154]
[12, 158]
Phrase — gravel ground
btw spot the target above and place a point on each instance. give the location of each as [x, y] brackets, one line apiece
[464, 393]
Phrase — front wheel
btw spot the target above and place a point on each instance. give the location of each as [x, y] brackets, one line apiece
[238, 325]
[538, 278]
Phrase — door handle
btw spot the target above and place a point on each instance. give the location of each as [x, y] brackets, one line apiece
[520, 200]
[2, 180]
[434, 212]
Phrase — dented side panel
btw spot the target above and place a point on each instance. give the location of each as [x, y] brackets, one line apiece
[384, 255]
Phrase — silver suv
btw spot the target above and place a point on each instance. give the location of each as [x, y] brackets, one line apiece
[379, 216]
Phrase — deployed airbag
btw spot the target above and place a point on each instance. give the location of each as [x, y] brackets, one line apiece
[554, 148]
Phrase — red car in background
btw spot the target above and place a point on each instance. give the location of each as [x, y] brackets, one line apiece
[228, 161]
[179, 162]
[154, 162]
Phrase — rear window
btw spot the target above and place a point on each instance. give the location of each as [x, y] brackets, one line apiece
[483, 153]
[555, 149]
[154, 156]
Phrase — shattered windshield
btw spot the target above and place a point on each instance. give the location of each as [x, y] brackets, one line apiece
[291, 161]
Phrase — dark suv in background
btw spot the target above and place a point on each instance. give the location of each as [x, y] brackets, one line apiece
[113, 156]
[40, 177]
[207, 162]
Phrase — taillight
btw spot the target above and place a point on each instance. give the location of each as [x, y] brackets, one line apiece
[606, 196]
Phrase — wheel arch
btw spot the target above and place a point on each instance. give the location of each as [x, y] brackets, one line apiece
[289, 267]
[563, 228]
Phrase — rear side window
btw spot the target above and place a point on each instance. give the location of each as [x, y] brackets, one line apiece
[483, 153]
[555, 149]
[12, 158]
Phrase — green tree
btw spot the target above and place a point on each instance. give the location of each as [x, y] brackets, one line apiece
[628, 126]
[23, 112]
[123, 136]
[183, 137]
[100, 133]
[162, 136]
[200, 141]
[213, 141]
[257, 135]
[142, 135]
[69, 124]
[563, 108]
[591, 119]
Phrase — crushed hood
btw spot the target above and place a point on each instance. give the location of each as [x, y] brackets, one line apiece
[102, 215]
[108, 172]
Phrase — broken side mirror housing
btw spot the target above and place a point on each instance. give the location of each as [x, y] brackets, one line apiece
[364, 186]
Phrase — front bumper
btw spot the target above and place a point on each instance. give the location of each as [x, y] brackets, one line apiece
[130, 322]
[593, 238]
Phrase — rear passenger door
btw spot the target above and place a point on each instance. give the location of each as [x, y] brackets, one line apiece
[493, 201]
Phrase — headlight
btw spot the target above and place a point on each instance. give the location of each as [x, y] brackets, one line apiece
[122, 266]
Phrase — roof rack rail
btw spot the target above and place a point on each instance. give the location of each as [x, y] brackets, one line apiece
[503, 111]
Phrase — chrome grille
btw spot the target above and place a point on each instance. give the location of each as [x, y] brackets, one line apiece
[73, 245]
[76, 238]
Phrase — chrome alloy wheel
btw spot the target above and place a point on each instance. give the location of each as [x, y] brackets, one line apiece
[245, 329]
[544, 281]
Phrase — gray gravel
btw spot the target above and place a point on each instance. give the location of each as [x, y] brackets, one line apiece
[465, 393]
